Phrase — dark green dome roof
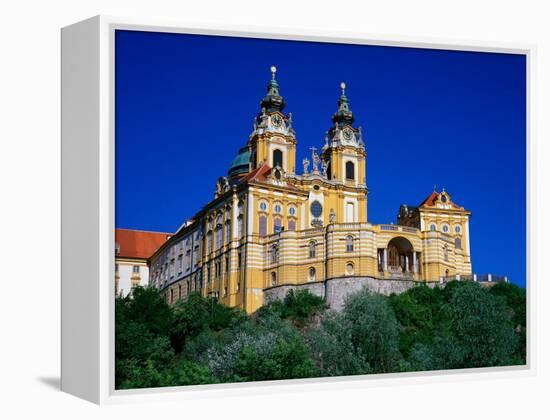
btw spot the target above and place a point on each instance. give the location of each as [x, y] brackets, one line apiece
[240, 163]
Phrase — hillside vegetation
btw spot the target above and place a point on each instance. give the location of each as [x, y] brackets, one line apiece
[199, 341]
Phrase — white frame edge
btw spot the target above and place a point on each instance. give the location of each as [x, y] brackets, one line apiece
[87, 324]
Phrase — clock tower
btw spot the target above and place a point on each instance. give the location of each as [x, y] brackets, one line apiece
[344, 150]
[273, 140]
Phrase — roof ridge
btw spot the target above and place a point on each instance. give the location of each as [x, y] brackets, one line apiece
[145, 231]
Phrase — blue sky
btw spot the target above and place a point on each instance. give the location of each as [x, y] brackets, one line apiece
[185, 104]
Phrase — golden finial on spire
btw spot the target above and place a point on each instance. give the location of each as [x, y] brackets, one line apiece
[273, 71]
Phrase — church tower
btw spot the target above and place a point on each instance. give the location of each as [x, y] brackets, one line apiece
[345, 156]
[273, 140]
[344, 150]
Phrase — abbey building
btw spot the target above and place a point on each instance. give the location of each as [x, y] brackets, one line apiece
[274, 224]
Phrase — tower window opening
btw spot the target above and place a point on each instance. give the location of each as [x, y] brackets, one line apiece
[274, 254]
[350, 171]
[458, 243]
[312, 249]
[277, 158]
[349, 244]
[263, 225]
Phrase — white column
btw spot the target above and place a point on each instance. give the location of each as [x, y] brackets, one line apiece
[406, 263]
[415, 262]
[385, 259]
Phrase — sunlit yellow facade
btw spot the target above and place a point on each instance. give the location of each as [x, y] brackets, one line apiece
[270, 226]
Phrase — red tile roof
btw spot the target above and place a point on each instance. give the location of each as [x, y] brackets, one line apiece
[430, 200]
[258, 173]
[138, 243]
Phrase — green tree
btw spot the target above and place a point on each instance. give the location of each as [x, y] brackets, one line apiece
[374, 330]
[482, 325]
[332, 348]
[286, 360]
[142, 347]
[197, 314]
[516, 300]
[420, 316]
[298, 306]
[185, 372]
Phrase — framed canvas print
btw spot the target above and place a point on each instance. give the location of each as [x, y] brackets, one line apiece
[222, 229]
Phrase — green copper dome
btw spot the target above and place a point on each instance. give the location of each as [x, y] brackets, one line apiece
[239, 165]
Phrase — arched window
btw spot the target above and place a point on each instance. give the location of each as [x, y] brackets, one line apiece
[274, 254]
[277, 225]
[218, 236]
[312, 249]
[349, 268]
[329, 170]
[277, 158]
[209, 241]
[263, 225]
[432, 227]
[349, 243]
[458, 243]
[228, 231]
[311, 274]
[350, 170]
[291, 225]
[240, 226]
[273, 279]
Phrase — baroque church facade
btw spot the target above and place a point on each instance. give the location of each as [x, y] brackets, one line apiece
[269, 227]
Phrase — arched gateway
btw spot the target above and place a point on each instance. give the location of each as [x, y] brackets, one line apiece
[399, 258]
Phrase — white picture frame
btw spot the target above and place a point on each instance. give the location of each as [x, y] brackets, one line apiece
[88, 213]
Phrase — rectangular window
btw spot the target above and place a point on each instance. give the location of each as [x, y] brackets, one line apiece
[277, 225]
[263, 225]
[180, 264]
[228, 231]
[239, 258]
[350, 213]
[240, 227]
[136, 269]
[226, 264]
[188, 260]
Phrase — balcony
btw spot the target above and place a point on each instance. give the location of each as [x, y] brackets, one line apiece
[397, 228]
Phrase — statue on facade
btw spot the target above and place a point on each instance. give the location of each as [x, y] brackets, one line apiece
[332, 217]
[305, 163]
[316, 160]
[324, 168]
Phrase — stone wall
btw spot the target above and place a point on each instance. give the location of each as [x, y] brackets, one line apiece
[336, 290]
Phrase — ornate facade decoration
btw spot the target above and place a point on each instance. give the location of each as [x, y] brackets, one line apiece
[256, 234]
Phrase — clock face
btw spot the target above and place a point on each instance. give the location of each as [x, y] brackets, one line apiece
[277, 121]
[348, 134]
